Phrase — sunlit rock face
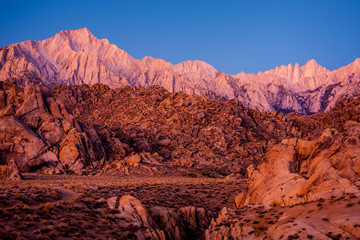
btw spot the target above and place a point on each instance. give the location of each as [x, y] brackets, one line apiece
[77, 57]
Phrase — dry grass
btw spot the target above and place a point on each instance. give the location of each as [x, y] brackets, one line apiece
[34, 209]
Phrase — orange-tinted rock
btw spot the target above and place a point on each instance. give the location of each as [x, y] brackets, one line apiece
[2, 99]
[7, 111]
[334, 218]
[133, 160]
[300, 171]
[10, 171]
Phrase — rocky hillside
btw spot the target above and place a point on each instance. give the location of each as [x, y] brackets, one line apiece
[302, 189]
[302, 172]
[39, 133]
[290, 162]
[77, 57]
[317, 184]
[94, 129]
[182, 129]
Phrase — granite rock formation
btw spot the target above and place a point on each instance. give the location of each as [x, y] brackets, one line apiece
[160, 222]
[302, 189]
[165, 130]
[297, 171]
[40, 134]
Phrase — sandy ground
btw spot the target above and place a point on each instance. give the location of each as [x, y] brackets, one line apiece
[65, 206]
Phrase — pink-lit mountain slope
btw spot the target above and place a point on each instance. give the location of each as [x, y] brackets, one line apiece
[77, 57]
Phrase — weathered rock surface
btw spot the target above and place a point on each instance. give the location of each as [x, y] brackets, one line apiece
[298, 171]
[306, 186]
[170, 222]
[40, 137]
[197, 219]
[180, 130]
[336, 218]
[132, 210]
[10, 171]
[161, 222]
[304, 189]
[98, 130]
[77, 57]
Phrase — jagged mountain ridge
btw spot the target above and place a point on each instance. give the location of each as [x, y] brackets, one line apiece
[77, 57]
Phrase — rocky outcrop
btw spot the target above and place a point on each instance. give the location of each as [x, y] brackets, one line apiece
[170, 222]
[10, 171]
[83, 129]
[333, 219]
[98, 130]
[77, 57]
[160, 222]
[40, 134]
[297, 171]
[131, 209]
[197, 219]
[302, 190]
[20, 141]
[158, 129]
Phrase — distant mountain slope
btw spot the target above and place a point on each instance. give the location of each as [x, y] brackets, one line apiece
[77, 57]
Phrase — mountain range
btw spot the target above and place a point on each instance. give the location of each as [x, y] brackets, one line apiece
[77, 57]
[107, 146]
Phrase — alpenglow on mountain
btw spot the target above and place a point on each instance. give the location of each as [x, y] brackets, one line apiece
[77, 57]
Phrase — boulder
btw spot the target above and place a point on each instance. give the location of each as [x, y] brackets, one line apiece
[54, 108]
[196, 218]
[76, 151]
[131, 209]
[336, 218]
[52, 131]
[298, 171]
[2, 99]
[112, 202]
[13, 93]
[13, 131]
[162, 223]
[7, 111]
[133, 160]
[30, 104]
[66, 126]
[50, 157]
[68, 154]
[169, 222]
[10, 171]
[164, 142]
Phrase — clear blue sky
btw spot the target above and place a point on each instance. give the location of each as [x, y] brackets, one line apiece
[233, 36]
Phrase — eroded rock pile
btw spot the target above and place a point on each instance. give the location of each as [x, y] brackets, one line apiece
[160, 222]
[10, 171]
[183, 130]
[293, 162]
[95, 129]
[298, 171]
[40, 134]
[303, 189]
